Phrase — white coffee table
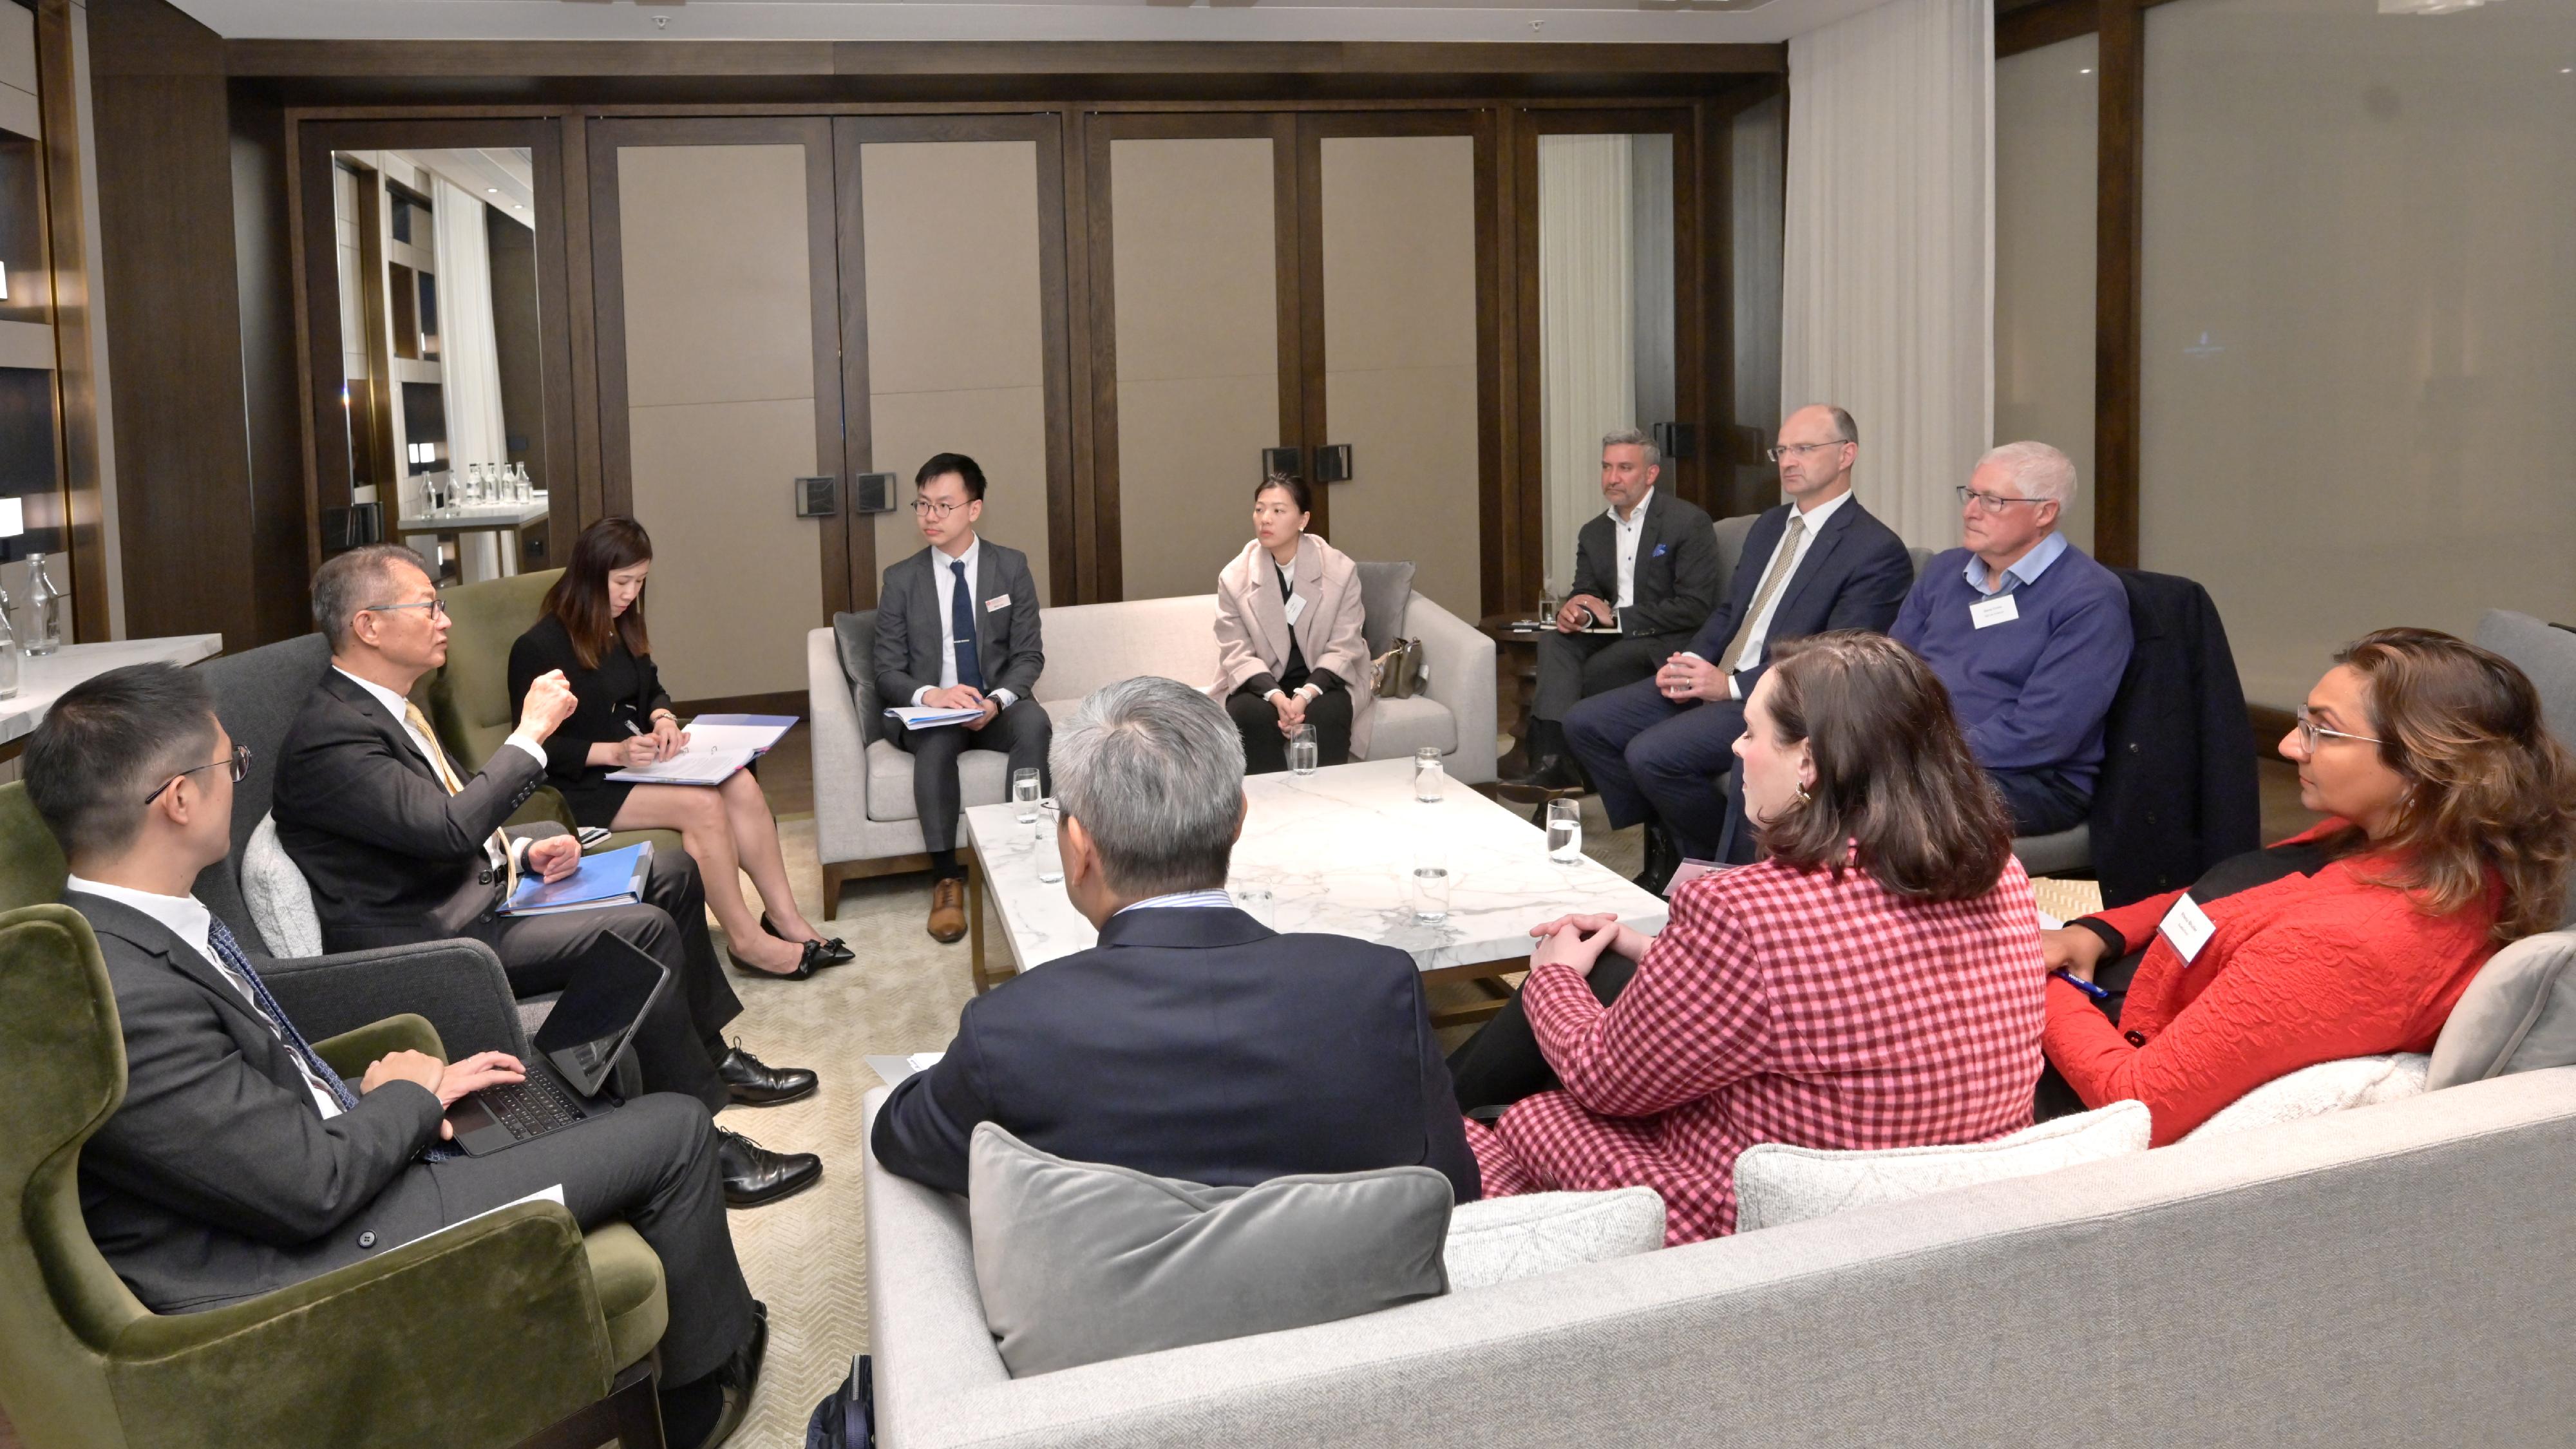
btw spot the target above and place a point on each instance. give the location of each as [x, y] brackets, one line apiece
[1336, 849]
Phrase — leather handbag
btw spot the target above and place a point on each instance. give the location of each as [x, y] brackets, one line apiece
[1398, 673]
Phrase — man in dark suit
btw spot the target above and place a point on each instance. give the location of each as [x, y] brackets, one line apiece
[957, 628]
[239, 1162]
[1648, 565]
[398, 848]
[1656, 750]
[1193, 1041]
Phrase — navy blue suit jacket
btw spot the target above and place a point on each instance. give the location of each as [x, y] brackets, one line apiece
[1196, 1044]
[1855, 576]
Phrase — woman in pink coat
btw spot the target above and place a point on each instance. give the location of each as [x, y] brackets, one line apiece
[1288, 644]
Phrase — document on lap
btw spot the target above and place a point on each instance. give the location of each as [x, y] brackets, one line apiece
[610, 878]
[700, 762]
[927, 716]
[758, 733]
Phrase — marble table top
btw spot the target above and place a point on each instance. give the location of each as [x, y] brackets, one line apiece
[42, 680]
[1336, 850]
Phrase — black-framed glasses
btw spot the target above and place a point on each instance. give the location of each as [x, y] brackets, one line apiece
[1801, 449]
[924, 508]
[437, 608]
[1991, 502]
[2310, 731]
[240, 763]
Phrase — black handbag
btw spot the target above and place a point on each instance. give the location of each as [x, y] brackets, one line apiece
[847, 1417]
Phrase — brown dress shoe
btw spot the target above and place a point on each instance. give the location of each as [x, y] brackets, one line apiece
[947, 910]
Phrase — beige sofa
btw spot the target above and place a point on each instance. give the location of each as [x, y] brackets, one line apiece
[864, 819]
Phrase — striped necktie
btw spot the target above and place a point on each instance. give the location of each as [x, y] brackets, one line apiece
[1772, 578]
[500, 840]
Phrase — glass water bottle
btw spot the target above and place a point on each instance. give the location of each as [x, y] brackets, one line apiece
[8, 652]
[44, 609]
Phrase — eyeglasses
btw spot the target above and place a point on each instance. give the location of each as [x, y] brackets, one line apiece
[1801, 449]
[240, 763]
[437, 608]
[1989, 502]
[924, 508]
[2309, 730]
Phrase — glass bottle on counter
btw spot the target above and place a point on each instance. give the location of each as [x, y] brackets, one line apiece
[8, 652]
[44, 609]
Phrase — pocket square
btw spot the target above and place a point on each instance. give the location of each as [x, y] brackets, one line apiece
[1660, 550]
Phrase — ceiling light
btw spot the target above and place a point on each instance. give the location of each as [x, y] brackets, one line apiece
[2088, 70]
[491, 191]
[2427, 7]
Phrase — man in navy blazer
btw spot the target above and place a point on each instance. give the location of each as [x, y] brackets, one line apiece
[1192, 1041]
[1656, 749]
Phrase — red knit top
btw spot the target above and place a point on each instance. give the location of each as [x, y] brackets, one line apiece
[2302, 970]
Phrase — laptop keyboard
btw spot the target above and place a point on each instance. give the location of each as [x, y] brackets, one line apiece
[531, 1108]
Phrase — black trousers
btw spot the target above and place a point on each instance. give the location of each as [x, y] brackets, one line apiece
[653, 1163]
[1265, 750]
[1654, 759]
[1502, 1062]
[2056, 1096]
[1021, 731]
[1574, 667]
[2043, 802]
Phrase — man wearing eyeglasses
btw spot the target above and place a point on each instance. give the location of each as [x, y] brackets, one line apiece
[957, 628]
[1658, 749]
[2029, 634]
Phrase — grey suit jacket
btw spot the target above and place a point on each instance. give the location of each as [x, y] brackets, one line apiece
[216, 1179]
[1007, 647]
[1676, 584]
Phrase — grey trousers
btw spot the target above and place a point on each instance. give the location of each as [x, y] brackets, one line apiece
[1022, 731]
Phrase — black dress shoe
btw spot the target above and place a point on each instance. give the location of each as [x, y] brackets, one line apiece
[738, 1380]
[752, 1082]
[1663, 857]
[806, 965]
[834, 951]
[754, 1175]
[1551, 772]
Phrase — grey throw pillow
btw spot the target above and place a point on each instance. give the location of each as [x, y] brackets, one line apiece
[2518, 1015]
[1080, 1262]
[1385, 590]
[856, 634]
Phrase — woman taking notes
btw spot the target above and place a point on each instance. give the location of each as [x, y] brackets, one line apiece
[1288, 645]
[2453, 820]
[592, 629]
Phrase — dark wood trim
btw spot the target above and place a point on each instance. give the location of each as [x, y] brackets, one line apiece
[1299, 212]
[1524, 539]
[784, 701]
[2118, 308]
[68, 259]
[857, 535]
[1074, 545]
[2269, 725]
[2028, 27]
[1497, 411]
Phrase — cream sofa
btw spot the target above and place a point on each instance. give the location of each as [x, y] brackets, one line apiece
[864, 821]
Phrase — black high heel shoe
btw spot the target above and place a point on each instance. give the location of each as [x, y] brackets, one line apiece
[833, 952]
[806, 965]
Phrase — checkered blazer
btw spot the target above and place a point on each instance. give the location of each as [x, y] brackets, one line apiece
[1780, 1005]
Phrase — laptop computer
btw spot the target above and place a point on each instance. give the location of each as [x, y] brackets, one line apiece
[591, 1026]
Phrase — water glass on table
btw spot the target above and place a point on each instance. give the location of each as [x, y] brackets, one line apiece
[1565, 832]
[1050, 860]
[1024, 794]
[1431, 881]
[1256, 902]
[1427, 774]
[1302, 750]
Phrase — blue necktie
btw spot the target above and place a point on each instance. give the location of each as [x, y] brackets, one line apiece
[961, 622]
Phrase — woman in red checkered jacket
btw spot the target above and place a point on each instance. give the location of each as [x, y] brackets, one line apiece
[1874, 981]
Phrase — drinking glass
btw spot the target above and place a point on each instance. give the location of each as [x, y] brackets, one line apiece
[1024, 794]
[1427, 774]
[1430, 881]
[1565, 832]
[1050, 860]
[1302, 750]
[1547, 600]
[1256, 902]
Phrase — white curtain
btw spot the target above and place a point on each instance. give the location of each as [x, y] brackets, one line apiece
[469, 355]
[1887, 293]
[1586, 328]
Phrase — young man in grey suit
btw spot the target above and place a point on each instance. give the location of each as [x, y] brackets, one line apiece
[1648, 565]
[957, 627]
[239, 1162]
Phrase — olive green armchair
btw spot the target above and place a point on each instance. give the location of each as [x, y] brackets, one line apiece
[514, 1328]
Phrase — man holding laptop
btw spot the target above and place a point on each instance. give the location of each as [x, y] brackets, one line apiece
[239, 1162]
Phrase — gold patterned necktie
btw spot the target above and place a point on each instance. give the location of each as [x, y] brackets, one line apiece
[1772, 578]
[447, 776]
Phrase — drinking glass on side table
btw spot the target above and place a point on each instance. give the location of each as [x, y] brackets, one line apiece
[1427, 774]
[1302, 750]
[1431, 881]
[1565, 832]
[1050, 860]
[1024, 794]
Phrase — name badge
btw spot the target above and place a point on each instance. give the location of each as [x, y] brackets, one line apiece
[991, 605]
[1296, 607]
[1998, 610]
[2186, 928]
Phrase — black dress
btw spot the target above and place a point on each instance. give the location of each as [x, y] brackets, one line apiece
[622, 690]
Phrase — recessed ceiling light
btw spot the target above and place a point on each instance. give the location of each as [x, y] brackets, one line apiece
[491, 191]
[2088, 70]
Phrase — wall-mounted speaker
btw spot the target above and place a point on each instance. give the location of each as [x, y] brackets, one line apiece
[1676, 440]
[1288, 461]
[1333, 463]
[351, 527]
[818, 497]
[872, 493]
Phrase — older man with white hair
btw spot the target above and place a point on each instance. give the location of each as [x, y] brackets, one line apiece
[1192, 1041]
[2030, 635]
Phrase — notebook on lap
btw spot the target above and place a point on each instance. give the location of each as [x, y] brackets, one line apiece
[592, 1024]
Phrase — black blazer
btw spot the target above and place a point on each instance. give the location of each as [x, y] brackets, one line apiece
[1676, 582]
[1008, 649]
[2178, 792]
[1855, 576]
[1196, 1044]
[624, 687]
[390, 855]
[216, 1179]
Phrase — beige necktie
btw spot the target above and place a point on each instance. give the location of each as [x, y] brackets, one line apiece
[447, 776]
[1772, 578]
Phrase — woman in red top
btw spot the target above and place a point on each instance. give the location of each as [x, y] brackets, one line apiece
[1874, 983]
[2453, 824]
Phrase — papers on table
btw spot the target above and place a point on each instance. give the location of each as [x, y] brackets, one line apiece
[928, 716]
[610, 878]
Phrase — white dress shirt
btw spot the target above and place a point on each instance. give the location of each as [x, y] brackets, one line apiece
[1629, 531]
[191, 922]
[399, 708]
[1814, 524]
[946, 579]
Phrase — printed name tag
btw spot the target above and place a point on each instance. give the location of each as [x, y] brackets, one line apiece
[2186, 928]
[1998, 610]
[1003, 602]
[1296, 607]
